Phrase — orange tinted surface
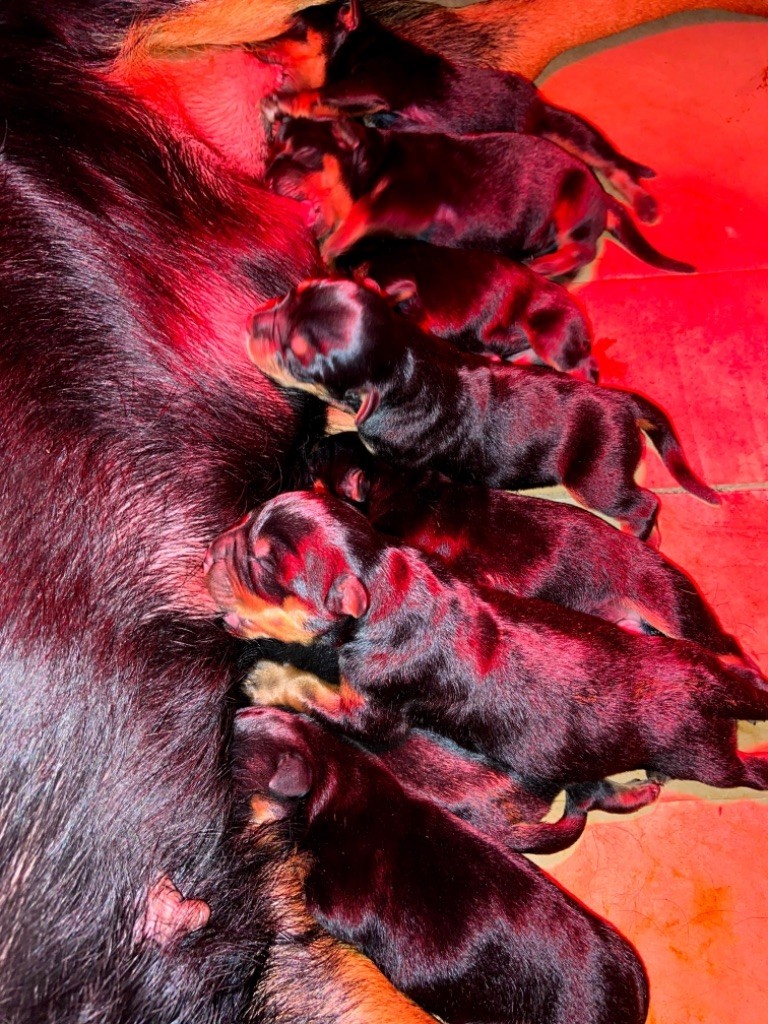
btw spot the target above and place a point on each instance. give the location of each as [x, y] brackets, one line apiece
[687, 879]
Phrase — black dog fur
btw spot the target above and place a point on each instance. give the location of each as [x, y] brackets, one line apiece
[524, 546]
[472, 933]
[370, 70]
[557, 697]
[420, 403]
[481, 302]
[517, 195]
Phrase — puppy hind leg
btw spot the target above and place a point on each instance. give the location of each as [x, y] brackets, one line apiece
[755, 769]
[579, 137]
[565, 260]
[598, 459]
[561, 338]
[614, 797]
[577, 221]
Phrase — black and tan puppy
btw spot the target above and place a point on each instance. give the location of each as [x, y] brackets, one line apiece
[557, 697]
[469, 931]
[363, 68]
[518, 195]
[524, 546]
[421, 403]
[481, 302]
[433, 768]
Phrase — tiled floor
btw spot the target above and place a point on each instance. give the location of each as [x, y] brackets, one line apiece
[687, 880]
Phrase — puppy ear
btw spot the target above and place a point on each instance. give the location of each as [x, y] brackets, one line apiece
[347, 596]
[368, 405]
[355, 486]
[402, 290]
[349, 15]
[292, 778]
[346, 134]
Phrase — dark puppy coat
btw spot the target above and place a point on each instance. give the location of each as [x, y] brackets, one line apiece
[557, 697]
[472, 933]
[371, 70]
[481, 302]
[527, 547]
[420, 403]
[513, 194]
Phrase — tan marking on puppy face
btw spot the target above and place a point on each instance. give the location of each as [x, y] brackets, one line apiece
[303, 60]
[264, 811]
[267, 362]
[258, 619]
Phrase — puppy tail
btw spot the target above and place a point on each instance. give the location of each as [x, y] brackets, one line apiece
[653, 422]
[624, 230]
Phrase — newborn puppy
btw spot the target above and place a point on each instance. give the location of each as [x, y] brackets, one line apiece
[495, 802]
[513, 194]
[481, 302]
[436, 907]
[421, 403]
[556, 697]
[527, 547]
[371, 70]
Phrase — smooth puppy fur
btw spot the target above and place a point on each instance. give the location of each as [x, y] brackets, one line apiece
[420, 403]
[518, 195]
[472, 933]
[524, 546]
[557, 697]
[481, 302]
[364, 68]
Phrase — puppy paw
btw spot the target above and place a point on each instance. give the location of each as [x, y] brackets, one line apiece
[646, 208]
[271, 108]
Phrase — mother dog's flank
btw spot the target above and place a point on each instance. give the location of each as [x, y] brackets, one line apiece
[420, 403]
[471, 932]
[558, 697]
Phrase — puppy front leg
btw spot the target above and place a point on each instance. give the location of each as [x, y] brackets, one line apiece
[273, 685]
[330, 103]
[381, 211]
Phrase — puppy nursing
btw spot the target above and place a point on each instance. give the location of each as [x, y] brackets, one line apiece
[480, 651]
[421, 403]
[513, 194]
[517, 680]
[440, 910]
[363, 68]
[524, 546]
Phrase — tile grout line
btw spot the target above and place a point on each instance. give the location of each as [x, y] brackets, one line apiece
[575, 285]
[724, 488]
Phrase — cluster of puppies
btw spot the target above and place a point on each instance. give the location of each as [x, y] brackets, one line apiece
[467, 653]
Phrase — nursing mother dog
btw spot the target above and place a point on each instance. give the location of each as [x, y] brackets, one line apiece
[135, 243]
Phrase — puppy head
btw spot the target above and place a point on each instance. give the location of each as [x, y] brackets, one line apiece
[319, 163]
[314, 37]
[273, 764]
[335, 338]
[296, 570]
[343, 466]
